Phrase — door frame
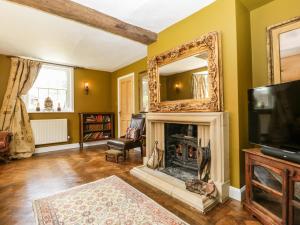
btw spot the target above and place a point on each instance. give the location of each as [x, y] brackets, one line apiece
[133, 98]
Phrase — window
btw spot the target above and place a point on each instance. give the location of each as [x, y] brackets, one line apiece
[144, 93]
[200, 85]
[53, 86]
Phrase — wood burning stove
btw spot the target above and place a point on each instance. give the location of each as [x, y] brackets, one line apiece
[181, 152]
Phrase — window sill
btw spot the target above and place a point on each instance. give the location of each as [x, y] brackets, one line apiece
[43, 112]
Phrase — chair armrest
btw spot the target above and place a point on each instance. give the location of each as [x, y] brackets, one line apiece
[140, 138]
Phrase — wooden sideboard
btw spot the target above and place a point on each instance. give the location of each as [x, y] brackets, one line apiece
[272, 188]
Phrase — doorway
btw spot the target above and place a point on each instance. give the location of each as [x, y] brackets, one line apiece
[125, 102]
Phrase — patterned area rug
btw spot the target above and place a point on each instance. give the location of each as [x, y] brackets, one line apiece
[109, 201]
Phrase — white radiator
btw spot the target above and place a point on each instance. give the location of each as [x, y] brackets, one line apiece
[50, 131]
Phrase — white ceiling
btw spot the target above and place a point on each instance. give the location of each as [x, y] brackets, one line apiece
[154, 15]
[31, 33]
[183, 65]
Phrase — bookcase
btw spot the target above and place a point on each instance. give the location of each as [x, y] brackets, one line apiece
[96, 126]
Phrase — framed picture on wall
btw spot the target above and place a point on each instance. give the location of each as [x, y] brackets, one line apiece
[284, 51]
[144, 91]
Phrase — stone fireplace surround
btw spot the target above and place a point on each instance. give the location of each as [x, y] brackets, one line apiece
[213, 127]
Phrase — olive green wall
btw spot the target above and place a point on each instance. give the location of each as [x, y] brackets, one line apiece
[136, 68]
[167, 85]
[244, 77]
[272, 13]
[98, 100]
[253, 4]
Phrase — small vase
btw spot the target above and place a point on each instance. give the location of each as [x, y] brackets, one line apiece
[38, 108]
[58, 107]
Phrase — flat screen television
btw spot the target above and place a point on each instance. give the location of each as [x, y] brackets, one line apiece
[274, 117]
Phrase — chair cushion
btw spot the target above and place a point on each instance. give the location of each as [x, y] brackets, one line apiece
[123, 143]
[119, 143]
[114, 152]
[132, 133]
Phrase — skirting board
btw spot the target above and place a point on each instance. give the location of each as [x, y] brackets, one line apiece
[237, 194]
[66, 146]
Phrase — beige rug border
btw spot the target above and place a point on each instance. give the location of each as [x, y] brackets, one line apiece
[102, 179]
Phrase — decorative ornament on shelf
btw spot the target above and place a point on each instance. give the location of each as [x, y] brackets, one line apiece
[48, 104]
[38, 108]
[58, 107]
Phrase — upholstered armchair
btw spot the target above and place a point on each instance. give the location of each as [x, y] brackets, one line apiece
[125, 144]
[5, 138]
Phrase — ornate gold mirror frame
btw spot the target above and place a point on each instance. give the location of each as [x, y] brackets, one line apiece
[214, 103]
[275, 67]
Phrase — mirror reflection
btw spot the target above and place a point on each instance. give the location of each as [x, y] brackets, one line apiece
[290, 55]
[185, 79]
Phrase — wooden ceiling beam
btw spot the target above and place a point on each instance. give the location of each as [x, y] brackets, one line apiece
[79, 13]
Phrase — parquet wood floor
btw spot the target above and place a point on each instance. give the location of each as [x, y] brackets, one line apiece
[25, 180]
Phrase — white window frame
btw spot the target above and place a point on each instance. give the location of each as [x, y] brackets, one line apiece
[70, 94]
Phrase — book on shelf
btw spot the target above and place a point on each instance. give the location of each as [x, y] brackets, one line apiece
[107, 126]
[94, 127]
[97, 118]
[97, 127]
[95, 136]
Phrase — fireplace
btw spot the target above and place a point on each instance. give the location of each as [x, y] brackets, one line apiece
[177, 135]
[184, 159]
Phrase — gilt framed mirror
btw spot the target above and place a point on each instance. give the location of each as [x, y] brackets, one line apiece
[284, 51]
[187, 78]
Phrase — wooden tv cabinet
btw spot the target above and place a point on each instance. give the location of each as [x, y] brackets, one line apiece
[272, 188]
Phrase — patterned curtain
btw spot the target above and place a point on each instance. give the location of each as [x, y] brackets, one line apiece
[200, 86]
[13, 114]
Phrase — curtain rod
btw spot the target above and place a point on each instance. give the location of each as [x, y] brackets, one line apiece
[43, 61]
